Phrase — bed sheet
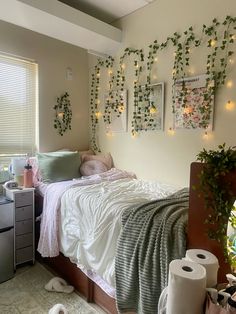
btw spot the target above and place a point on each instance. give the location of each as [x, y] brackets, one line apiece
[90, 222]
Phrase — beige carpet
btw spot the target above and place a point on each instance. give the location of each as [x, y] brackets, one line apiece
[25, 294]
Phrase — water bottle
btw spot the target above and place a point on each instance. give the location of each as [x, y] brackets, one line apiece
[28, 176]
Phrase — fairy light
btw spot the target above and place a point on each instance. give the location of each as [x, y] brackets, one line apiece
[122, 66]
[229, 105]
[174, 72]
[60, 115]
[174, 54]
[231, 61]
[191, 71]
[213, 42]
[110, 72]
[205, 135]
[154, 77]
[134, 134]
[171, 131]
[98, 74]
[98, 101]
[153, 110]
[121, 108]
[233, 36]
[155, 59]
[229, 84]
[98, 114]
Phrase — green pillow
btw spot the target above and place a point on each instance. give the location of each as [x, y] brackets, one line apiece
[58, 166]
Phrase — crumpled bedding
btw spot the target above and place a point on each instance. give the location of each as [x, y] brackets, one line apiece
[48, 245]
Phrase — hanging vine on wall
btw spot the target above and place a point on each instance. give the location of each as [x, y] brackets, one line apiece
[63, 114]
[218, 37]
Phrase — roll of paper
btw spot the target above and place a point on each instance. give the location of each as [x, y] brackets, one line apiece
[186, 288]
[208, 260]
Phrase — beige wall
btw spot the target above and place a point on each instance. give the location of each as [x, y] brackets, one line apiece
[156, 155]
[53, 57]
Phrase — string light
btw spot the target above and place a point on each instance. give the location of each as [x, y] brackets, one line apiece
[154, 77]
[153, 110]
[155, 59]
[121, 108]
[98, 114]
[233, 36]
[231, 61]
[98, 74]
[98, 101]
[229, 84]
[122, 66]
[213, 42]
[60, 115]
[110, 72]
[229, 105]
[171, 131]
[134, 134]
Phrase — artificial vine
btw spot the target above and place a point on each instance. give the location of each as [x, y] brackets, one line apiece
[217, 191]
[218, 37]
[63, 114]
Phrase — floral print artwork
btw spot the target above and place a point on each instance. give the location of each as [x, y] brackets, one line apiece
[193, 108]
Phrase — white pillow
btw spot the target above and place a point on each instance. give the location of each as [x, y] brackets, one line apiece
[91, 167]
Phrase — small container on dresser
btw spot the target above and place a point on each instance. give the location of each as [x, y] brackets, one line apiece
[24, 250]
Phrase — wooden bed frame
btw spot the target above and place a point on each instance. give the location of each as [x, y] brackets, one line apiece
[196, 238]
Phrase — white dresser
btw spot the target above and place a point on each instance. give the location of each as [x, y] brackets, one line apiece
[24, 250]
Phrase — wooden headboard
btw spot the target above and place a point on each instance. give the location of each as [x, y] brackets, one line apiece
[197, 229]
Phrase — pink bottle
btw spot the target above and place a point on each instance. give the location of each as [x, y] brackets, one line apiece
[28, 176]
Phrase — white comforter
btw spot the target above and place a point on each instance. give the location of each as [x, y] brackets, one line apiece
[91, 220]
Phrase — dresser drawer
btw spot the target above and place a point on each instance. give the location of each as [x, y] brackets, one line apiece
[25, 212]
[24, 226]
[24, 240]
[23, 199]
[24, 255]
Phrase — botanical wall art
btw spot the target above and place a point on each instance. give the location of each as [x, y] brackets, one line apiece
[115, 111]
[217, 40]
[193, 110]
[63, 114]
[149, 112]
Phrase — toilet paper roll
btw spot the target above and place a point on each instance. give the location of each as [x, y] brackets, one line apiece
[186, 288]
[208, 260]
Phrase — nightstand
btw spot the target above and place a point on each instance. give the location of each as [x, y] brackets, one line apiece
[24, 250]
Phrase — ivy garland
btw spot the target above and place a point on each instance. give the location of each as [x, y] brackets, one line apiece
[217, 191]
[218, 37]
[63, 114]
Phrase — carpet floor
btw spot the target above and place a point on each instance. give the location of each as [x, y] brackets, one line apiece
[25, 294]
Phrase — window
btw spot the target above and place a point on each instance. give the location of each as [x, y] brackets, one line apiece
[18, 106]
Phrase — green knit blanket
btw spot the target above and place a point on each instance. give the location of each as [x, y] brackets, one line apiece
[153, 234]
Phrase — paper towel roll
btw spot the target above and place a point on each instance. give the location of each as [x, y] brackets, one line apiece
[208, 260]
[186, 288]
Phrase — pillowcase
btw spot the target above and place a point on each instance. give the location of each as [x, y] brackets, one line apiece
[106, 159]
[92, 167]
[59, 166]
[84, 153]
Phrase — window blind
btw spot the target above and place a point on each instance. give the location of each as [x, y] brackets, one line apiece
[18, 104]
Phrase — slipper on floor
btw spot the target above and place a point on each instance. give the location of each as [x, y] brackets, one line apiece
[58, 309]
[58, 284]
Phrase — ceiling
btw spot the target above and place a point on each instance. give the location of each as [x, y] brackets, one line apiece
[84, 23]
[107, 10]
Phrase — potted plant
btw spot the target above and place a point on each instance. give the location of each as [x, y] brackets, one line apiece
[218, 193]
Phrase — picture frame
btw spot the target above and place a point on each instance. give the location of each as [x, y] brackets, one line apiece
[115, 111]
[151, 107]
[197, 111]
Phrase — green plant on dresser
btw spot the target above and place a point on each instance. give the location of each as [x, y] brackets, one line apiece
[218, 194]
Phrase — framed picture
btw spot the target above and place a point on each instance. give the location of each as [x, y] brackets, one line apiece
[150, 108]
[194, 103]
[115, 111]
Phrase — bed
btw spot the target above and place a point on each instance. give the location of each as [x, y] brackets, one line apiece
[82, 197]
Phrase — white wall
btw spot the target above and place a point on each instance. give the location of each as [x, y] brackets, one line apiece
[53, 57]
[156, 155]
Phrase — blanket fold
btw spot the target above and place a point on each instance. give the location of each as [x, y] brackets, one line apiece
[152, 235]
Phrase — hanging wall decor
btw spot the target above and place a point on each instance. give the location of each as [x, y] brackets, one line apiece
[115, 111]
[149, 113]
[217, 39]
[63, 114]
[193, 110]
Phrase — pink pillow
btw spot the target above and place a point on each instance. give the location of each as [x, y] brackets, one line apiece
[106, 159]
[92, 167]
[84, 153]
